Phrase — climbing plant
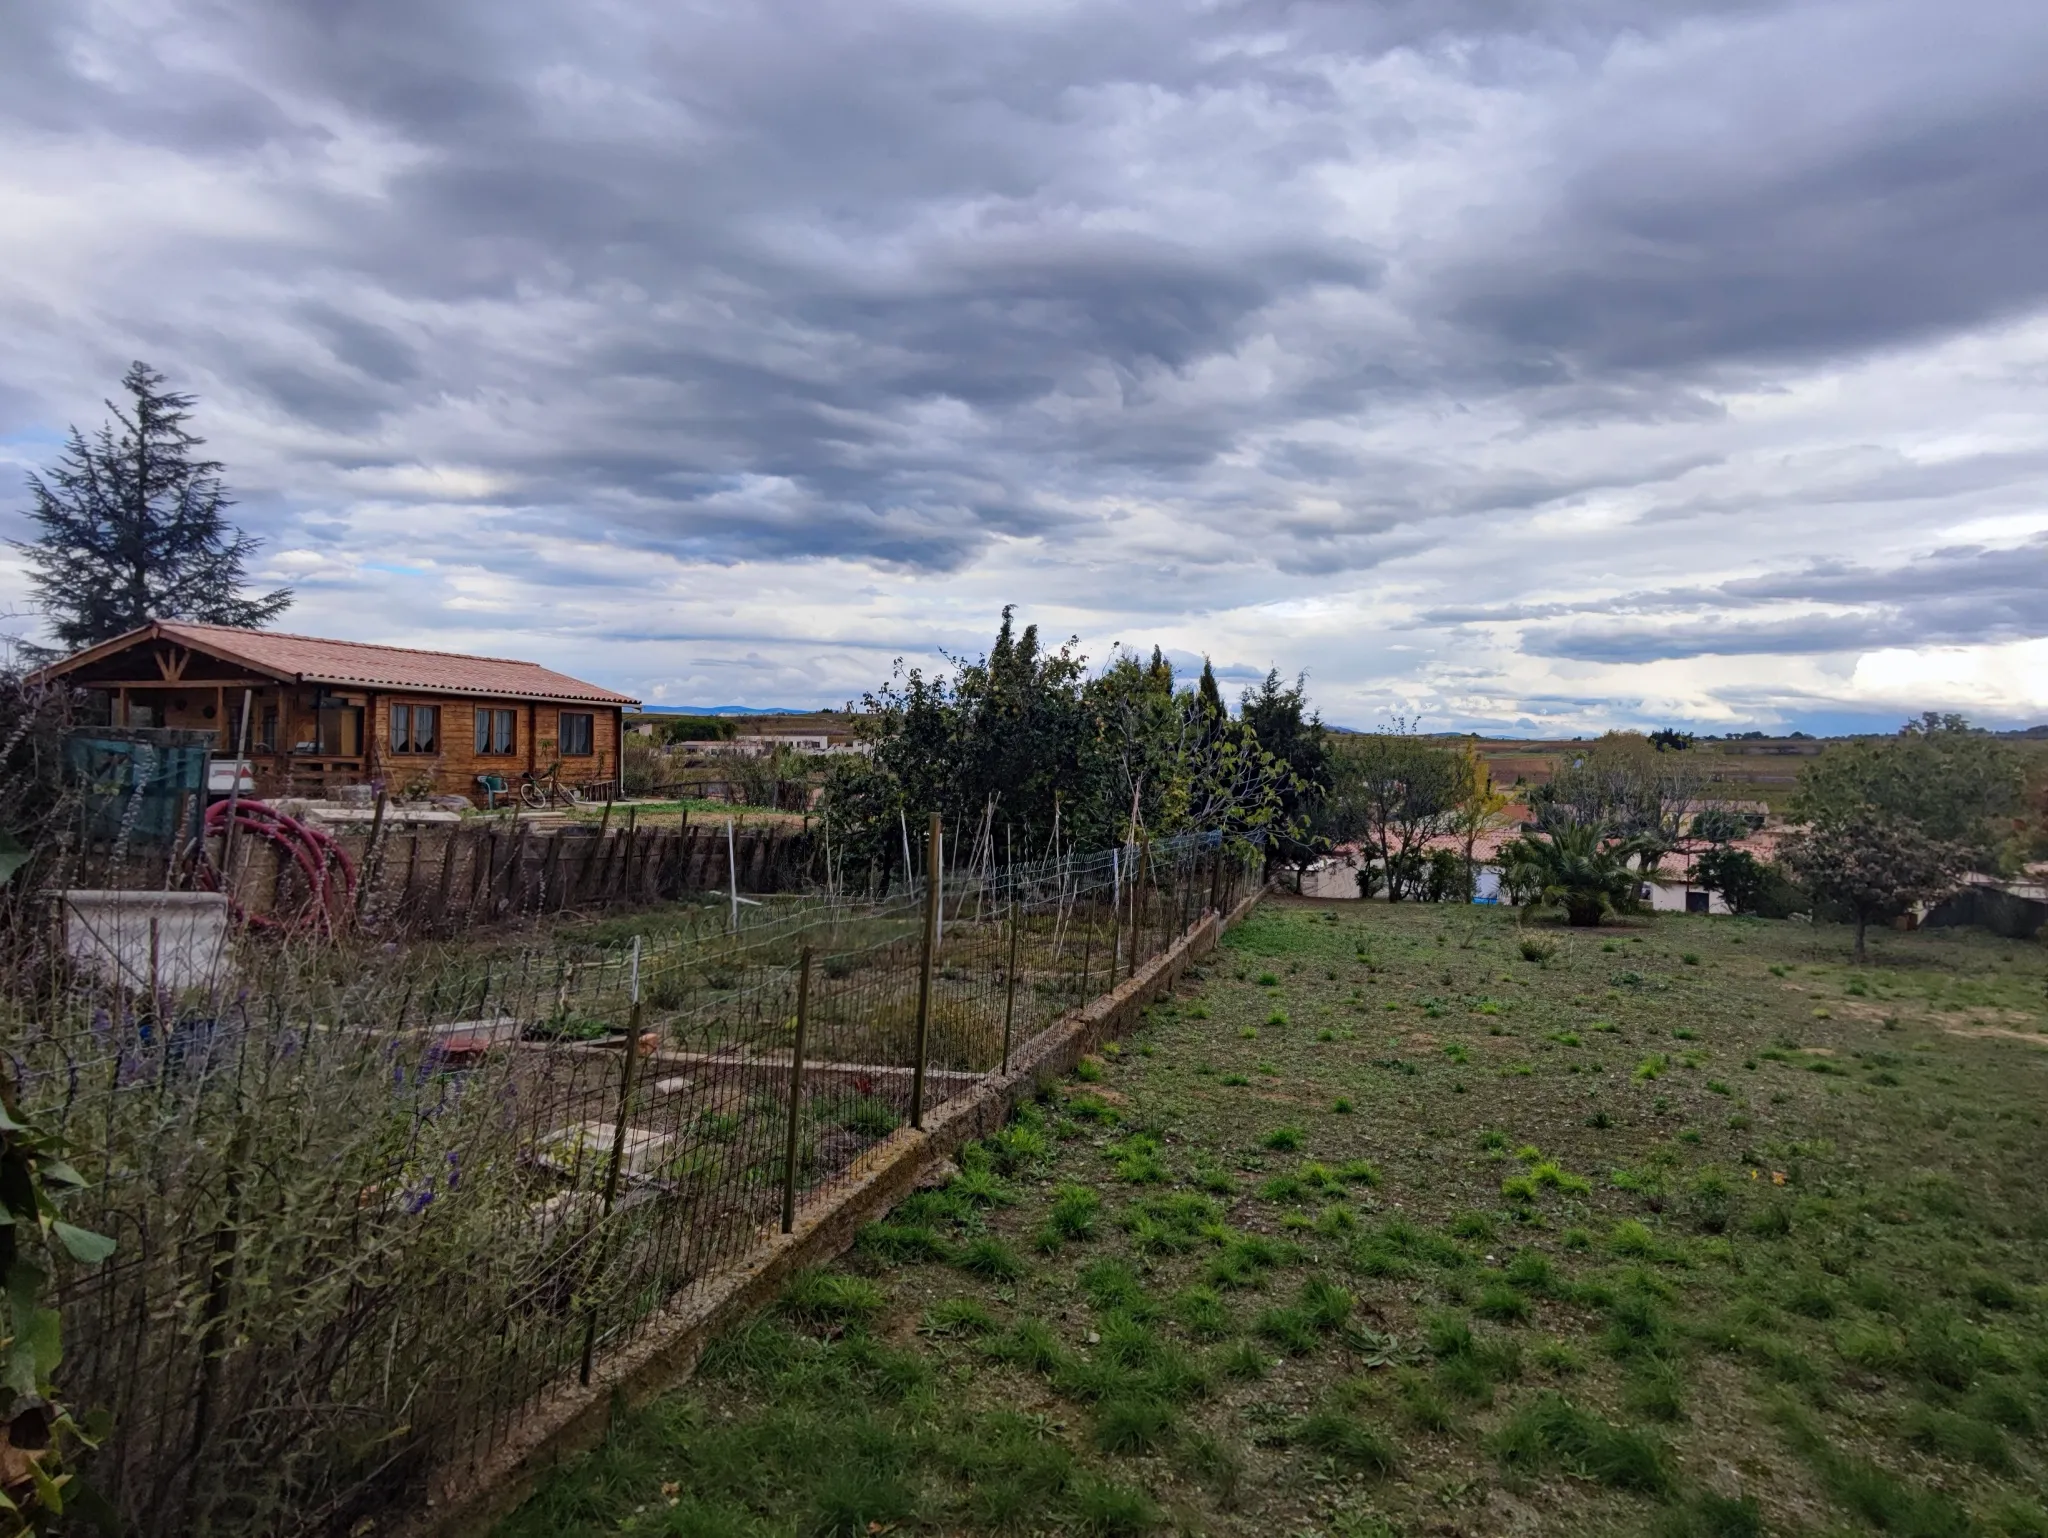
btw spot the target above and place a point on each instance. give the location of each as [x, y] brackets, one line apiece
[39, 1436]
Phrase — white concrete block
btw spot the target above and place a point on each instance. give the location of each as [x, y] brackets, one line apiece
[116, 934]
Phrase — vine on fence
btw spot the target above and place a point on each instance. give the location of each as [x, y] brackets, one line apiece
[38, 1433]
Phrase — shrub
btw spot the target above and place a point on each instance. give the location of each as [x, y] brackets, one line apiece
[1710, 1199]
[1242, 1360]
[901, 1243]
[1282, 1139]
[1202, 1312]
[1244, 1261]
[1869, 1346]
[1991, 1291]
[1291, 1329]
[1134, 1424]
[859, 1498]
[1531, 1271]
[1712, 1515]
[1325, 1306]
[1656, 1391]
[1014, 1147]
[1137, 1160]
[819, 1296]
[1632, 1240]
[1810, 1297]
[1961, 1437]
[1027, 1343]
[1551, 1431]
[1105, 1509]
[1448, 1335]
[1771, 1222]
[959, 1316]
[988, 1257]
[2004, 1405]
[1073, 1211]
[1112, 1286]
[1349, 1441]
[1502, 1304]
[1636, 1327]
[981, 1188]
[1943, 1350]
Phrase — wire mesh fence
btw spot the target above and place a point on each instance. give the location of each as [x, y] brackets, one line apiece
[372, 1201]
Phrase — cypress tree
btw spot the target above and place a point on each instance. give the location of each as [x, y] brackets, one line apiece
[132, 527]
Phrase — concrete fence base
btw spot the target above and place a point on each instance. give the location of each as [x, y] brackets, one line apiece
[573, 1418]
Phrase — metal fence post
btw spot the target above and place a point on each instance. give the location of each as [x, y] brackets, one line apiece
[1010, 980]
[611, 1174]
[796, 1092]
[924, 972]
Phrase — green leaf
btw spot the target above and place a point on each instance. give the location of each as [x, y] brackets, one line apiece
[59, 1171]
[89, 1506]
[13, 855]
[38, 1343]
[85, 1246]
[49, 1492]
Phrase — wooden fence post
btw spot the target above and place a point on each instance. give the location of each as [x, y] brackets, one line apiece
[447, 873]
[366, 877]
[924, 971]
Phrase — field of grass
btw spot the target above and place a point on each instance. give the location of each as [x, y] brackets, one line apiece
[1408, 1220]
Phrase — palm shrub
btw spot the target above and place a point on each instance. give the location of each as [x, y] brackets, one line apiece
[1574, 867]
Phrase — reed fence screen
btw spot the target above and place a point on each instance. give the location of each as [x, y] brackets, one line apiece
[372, 1200]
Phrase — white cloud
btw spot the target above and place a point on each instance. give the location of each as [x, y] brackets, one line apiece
[742, 350]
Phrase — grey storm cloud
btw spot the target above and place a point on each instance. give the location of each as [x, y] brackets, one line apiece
[1951, 596]
[911, 285]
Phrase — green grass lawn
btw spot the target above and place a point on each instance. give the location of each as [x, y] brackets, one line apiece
[1404, 1220]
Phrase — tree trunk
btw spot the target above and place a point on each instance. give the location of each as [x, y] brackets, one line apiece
[1583, 915]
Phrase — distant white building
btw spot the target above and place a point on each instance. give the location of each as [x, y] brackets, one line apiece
[760, 744]
[1670, 895]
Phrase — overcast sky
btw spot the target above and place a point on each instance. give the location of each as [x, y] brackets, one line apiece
[1534, 365]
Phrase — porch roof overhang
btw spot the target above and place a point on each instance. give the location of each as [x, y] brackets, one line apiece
[295, 659]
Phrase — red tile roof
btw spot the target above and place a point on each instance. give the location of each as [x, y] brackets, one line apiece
[361, 664]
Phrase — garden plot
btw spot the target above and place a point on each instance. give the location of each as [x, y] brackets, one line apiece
[1410, 1220]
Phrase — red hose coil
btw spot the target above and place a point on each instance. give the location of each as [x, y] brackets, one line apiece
[328, 873]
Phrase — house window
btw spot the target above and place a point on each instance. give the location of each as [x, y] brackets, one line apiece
[415, 728]
[496, 733]
[579, 733]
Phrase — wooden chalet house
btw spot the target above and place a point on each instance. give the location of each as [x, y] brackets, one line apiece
[324, 714]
